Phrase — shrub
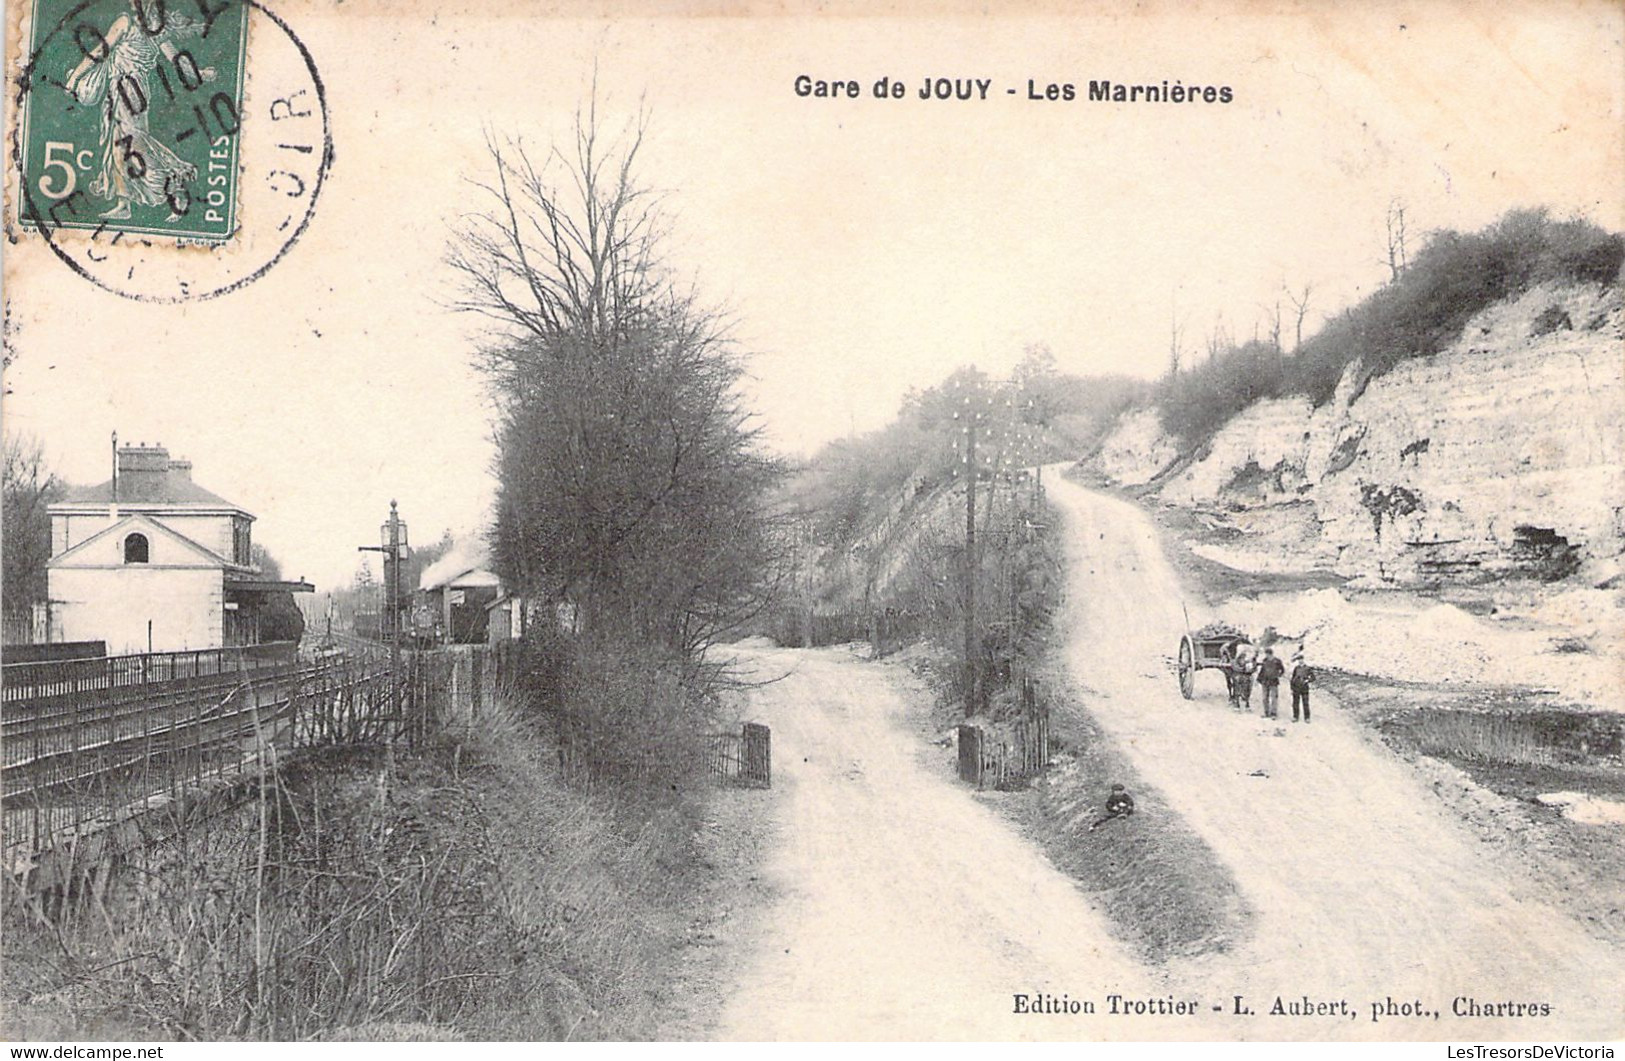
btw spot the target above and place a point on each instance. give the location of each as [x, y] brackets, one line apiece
[465, 893]
[1550, 320]
[1195, 404]
[1452, 278]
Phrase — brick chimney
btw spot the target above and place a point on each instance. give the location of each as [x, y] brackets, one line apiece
[140, 465]
[181, 469]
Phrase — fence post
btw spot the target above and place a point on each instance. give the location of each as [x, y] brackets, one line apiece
[970, 754]
[37, 838]
[758, 754]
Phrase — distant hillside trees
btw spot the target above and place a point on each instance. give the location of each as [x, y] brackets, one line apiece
[281, 620]
[29, 486]
[883, 517]
[1432, 295]
[1196, 402]
[1453, 277]
[268, 565]
[1057, 416]
[630, 481]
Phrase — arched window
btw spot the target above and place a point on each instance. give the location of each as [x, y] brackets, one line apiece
[135, 549]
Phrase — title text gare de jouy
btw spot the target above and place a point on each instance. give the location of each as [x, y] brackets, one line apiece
[977, 88]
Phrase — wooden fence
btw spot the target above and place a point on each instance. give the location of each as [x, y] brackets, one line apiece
[97, 680]
[743, 758]
[464, 680]
[1007, 754]
[16, 629]
[52, 651]
[80, 766]
[87, 760]
[23, 627]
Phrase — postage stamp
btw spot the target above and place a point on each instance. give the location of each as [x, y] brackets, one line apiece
[139, 106]
[165, 150]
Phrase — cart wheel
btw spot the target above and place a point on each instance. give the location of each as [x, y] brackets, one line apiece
[1187, 668]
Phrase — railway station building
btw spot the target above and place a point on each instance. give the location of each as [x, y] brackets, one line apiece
[150, 561]
[457, 591]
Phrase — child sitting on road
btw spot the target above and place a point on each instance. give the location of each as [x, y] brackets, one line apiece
[1118, 805]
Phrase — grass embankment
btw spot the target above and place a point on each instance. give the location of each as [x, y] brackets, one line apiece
[464, 893]
[1162, 887]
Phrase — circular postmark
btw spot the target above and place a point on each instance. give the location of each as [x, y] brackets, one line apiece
[167, 150]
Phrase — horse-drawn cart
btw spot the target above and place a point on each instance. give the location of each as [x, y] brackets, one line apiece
[1213, 647]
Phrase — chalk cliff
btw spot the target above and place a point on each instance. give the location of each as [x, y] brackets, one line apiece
[1501, 455]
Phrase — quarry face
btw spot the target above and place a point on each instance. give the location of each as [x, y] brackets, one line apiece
[1500, 456]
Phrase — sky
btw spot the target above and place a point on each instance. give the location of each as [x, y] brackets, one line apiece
[862, 247]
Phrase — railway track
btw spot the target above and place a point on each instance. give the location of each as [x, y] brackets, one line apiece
[28, 730]
[68, 766]
[31, 744]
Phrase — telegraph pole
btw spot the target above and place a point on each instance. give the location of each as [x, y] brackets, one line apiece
[977, 406]
[392, 579]
[393, 545]
[970, 565]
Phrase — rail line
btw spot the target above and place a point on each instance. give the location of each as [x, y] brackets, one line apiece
[74, 765]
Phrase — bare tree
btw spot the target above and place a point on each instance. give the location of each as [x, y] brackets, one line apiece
[1272, 320]
[1300, 307]
[1398, 254]
[559, 256]
[630, 481]
[29, 486]
[1219, 339]
[269, 566]
[1176, 332]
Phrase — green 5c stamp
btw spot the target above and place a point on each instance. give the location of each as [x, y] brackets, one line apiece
[140, 105]
[166, 150]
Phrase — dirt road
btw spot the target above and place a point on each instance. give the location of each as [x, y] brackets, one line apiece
[909, 909]
[1364, 886]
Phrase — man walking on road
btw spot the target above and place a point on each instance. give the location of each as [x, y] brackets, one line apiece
[1301, 677]
[1270, 672]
